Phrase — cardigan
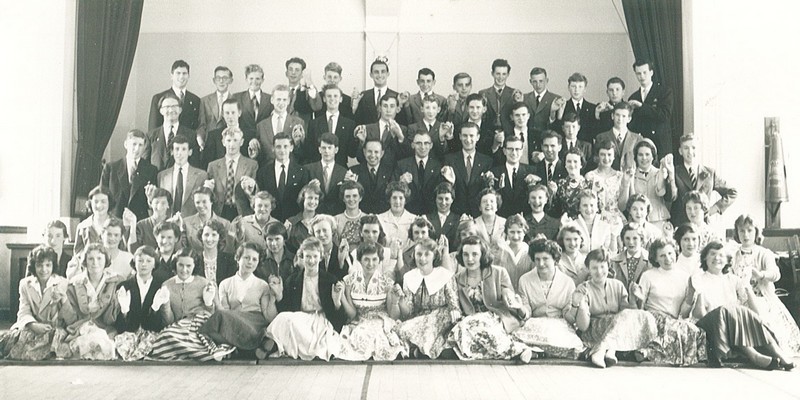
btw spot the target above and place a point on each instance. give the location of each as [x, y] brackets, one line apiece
[496, 287]
[293, 296]
[141, 314]
[38, 306]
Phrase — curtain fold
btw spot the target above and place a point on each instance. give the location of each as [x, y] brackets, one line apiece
[107, 34]
[656, 33]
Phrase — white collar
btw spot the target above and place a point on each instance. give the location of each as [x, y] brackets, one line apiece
[235, 158]
[434, 281]
[190, 279]
[510, 168]
[283, 115]
[334, 113]
[179, 92]
[424, 160]
[464, 154]
[540, 94]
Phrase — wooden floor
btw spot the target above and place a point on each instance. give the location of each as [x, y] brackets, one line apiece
[412, 380]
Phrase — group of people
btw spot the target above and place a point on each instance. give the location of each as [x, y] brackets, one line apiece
[308, 224]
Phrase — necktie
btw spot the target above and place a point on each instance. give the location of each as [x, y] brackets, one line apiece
[692, 177]
[131, 171]
[498, 109]
[255, 106]
[330, 124]
[513, 177]
[386, 132]
[578, 107]
[619, 138]
[279, 125]
[220, 100]
[282, 180]
[292, 96]
[469, 168]
[230, 183]
[170, 137]
[178, 201]
[549, 172]
[378, 99]
[430, 127]
[182, 95]
[421, 170]
[373, 175]
[571, 146]
[538, 100]
[326, 181]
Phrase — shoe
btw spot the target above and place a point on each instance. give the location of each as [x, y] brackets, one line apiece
[774, 364]
[639, 356]
[787, 366]
[598, 359]
[610, 358]
[526, 356]
[267, 347]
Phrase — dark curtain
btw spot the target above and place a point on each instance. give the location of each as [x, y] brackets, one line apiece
[107, 33]
[654, 28]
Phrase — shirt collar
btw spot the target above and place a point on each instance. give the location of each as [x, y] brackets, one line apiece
[234, 158]
[330, 113]
[540, 94]
[190, 279]
[179, 92]
[424, 160]
[143, 283]
[464, 154]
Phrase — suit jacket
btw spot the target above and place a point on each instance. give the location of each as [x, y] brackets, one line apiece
[38, 306]
[440, 146]
[584, 147]
[348, 144]
[345, 108]
[293, 296]
[392, 149]
[707, 181]
[411, 112]
[652, 119]
[466, 200]
[190, 111]
[144, 234]
[540, 114]
[159, 153]
[448, 227]
[515, 197]
[619, 268]
[141, 314]
[285, 203]
[215, 149]
[249, 118]
[226, 267]
[367, 110]
[532, 139]
[266, 133]
[302, 105]
[374, 200]
[218, 171]
[540, 170]
[210, 117]
[623, 157]
[588, 130]
[193, 181]
[330, 203]
[423, 198]
[128, 192]
[500, 117]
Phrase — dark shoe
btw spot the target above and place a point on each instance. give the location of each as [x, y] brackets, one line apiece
[787, 366]
[774, 364]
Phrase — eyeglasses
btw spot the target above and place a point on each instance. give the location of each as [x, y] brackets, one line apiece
[424, 143]
[175, 107]
[222, 78]
[513, 149]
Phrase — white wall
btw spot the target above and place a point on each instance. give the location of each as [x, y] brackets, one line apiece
[447, 36]
[745, 68]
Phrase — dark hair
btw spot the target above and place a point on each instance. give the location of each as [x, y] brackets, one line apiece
[329, 138]
[545, 246]
[606, 145]
[568, 228]
[312, 187]
[681, 231]
[168, 95]
[96, 191]
[426, 71]
[350, 185]
[178, 139]
[217, 227]
[713, 245]
[114, 223]
[696, 196]
[39, 254]
[487, 191]
[206, 191]
[470, 125]
[398, 186]
[744, 220]
[161, 192]
[643, 61]
[517, 105]
[631, 227]
[296, 60]
[516, 219]
[58, 225]
[461, 75]
[511, 139]
[501, 63]
[633, 199]
[445, 187]
[379, 61]
[179, 64]
[282, 136]
[248, 246]
[420, 222]
[372, 140]
[95, 247]
[476, 96]
[616, 79]
[223, 68]
[624, 105]
[658, 244]
[571, 117]
[234, 101]
[365, 248]
[538, 71]
[577, 77]
[276, 228]
[539, 187]
[645, 143]
[372, 219]
[325, 88]
[598, 255]
[146, 250]
[167, 226]
[389, 96]
[486, 255]
[550, 134]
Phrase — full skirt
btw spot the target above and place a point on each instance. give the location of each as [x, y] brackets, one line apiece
[240, 329]
[626, 330]
[679, 342]
[304, 335]
[89, 342]
[730, 326]
[781, 323]
[482, 336]
[428, 331]
[553, 335]
[24, 344]
[133, 346]
[373, 336]
[181, 341]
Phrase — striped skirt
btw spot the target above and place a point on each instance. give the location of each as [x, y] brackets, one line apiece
[731, 326]
[181, 341]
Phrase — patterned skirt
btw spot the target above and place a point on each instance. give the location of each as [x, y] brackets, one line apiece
[679, 342]
[181, 341]
[241, 329]
[133, 346]
[781, 323]
[373, 336]
[553, 335]
[482, 336]
[428, 331]
[304, 335]
[626, 330]
[23, 344]
[729, 326]
[89, 342]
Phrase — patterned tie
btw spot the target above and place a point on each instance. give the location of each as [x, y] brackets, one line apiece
[326, 181]
[292, 96]
[230, 184]
[469, 168]
[549, 172]
[378, 99]
[176, 204]
[181, 97]
[170, 137]
[373, 175]
[692, 177]
[255, 106]
[499, 111]
[386, 132]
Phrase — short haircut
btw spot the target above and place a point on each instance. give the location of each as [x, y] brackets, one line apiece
[389, 96]
[234, 101]
[350, 185]
[206, 191]
[624, 105]
[333, 66]
[568, 228]
[373, 140]
[144, 250]
[379, 61]
[463, 226]
[310, 187]
[248, 246]
[169, 95]
[98, 247]
[264, 195]
[426, 71]
[476, 96]
[329, 138]
[281, 87]
[499, 63]
[296, 60]
[330, 87]
[695, 196]
[616, 79]
[538, 71]
[461, 75]
[571, 117]
[179, 139]
[232, 131]
[185, 252]
[223, 68]
[167, 226]
[114, 223]
[282, 136]
[310, 244]
[550, 134]
[372, 219]
[643, 61]
[713, 245]
[658, 244]
[366, 248]
[323, 218]
[576, 151]
[516, 106]
[471, 125]
[577, 77]
[420, 222]
[486, 255]
[539, 188]
[598, 255]
[490, 191]
[253, 68]
[545, 246]
[743, 221]
[136, 133]
[39, 254]
[681, 231]
[636, 197]
[645, 143]
[686, 138]
[276, 228]
[430, 99]
[606, 144]
[99, 190]
[57, 225]
[631, 227]
[429, 245]
[179, 64]
[516, 219]
[216, 226]
[512, 139]
[398, 186]
[445, 188]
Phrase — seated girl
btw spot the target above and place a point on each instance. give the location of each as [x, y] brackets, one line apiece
[192, 225]
[661, 291]
[121, 260]
[689, 258]
[597, 231]
[90, 310]
[490, 225]
[311, 312]
[38, 331]
[539, 222]
[89, 230]
[333, 256]
[513, 252]
[213, 263]
[192, 300]
[299, 226]
[250, 228]
[396, 220]
[429, 303]
[371, 231]
[371, 303]
[490, 305]
[140, 299]
[628, 265]
[546, 293]
[421, 228]
[601, 312]
[715, 297]
[756, 266]
[351, 193]
[571, 262]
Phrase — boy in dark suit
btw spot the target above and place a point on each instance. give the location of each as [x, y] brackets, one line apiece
[255, 103]
[283, 178]
[445, 222]
[652, 109]
[551, 168]
[188, 101]
[512, 178]
[465, 170]
[422, 173]
[329, 174]
[332, 121]
[366, 103]
[571, 125]
[126, 178]
[540, 100]
[332, 77]
[211, 104]
[374, 175]
[160, 138]
[577, 104]
[412, 105]
[499, 96]
[393, 135]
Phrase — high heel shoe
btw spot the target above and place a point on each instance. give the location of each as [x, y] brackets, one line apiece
[787, 366]
[774, 364]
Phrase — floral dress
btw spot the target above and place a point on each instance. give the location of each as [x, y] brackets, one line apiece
[565, 198]
[607, 189]
[432, 298]
[372, 333]
[35, 305]
[349, 229]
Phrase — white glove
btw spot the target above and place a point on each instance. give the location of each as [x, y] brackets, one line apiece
[161, 298]
[209, 292]
[124, 300]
